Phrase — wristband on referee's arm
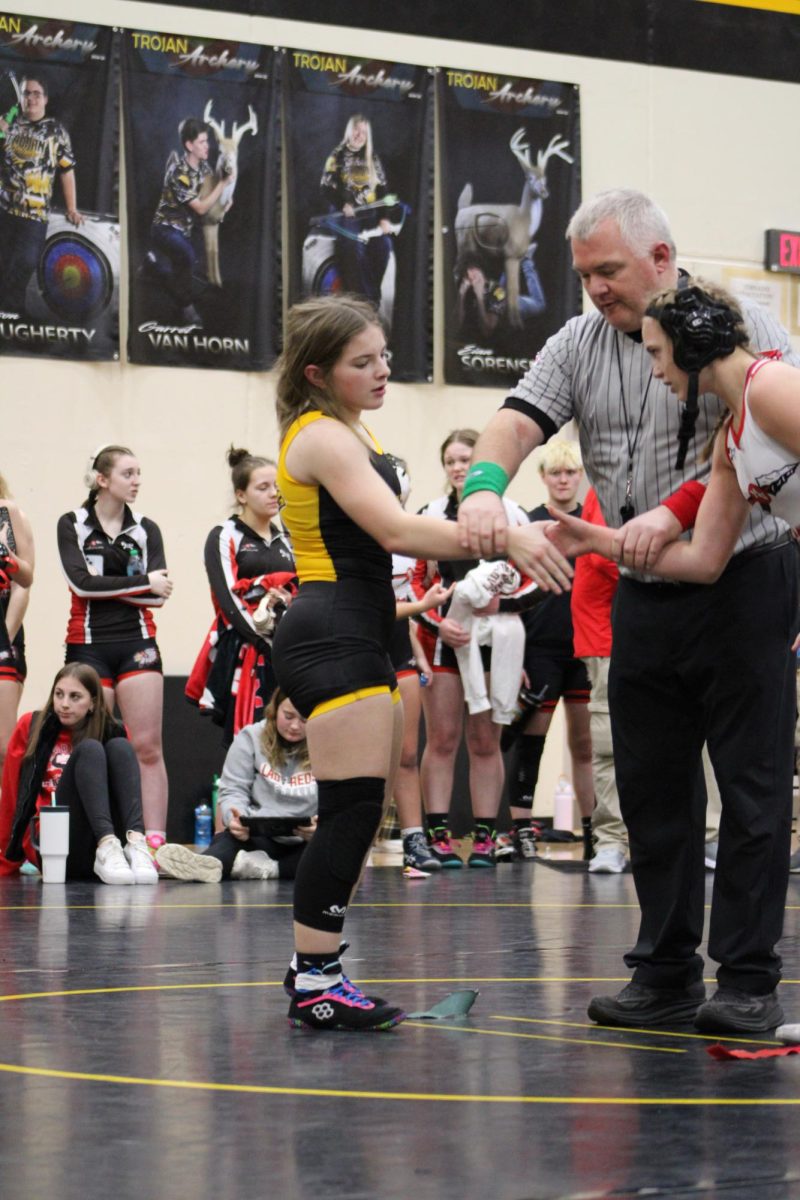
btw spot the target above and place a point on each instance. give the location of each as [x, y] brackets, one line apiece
[485, 477]
[684, 503]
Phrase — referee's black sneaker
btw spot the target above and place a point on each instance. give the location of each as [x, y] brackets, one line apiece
[640, 1005]
[732, 1011]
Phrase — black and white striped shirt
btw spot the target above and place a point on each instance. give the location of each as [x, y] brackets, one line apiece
[584, 371]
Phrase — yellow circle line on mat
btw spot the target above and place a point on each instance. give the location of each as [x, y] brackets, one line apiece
[546, 1037]
[341, 1094]
[701, 1037]
[272, 983]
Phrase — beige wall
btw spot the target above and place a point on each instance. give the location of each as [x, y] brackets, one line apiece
[694, 142]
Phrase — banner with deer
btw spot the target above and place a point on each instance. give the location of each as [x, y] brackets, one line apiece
[510, 174]
[359, 189]
[203, 175]
[59, 171]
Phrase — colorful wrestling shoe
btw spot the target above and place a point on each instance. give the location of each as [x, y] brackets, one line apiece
[154, 841]
[483, 850]
[417, 853]
[443, 850]
[504, 848]
[342, 1006]
[291, 977]
[524, 841]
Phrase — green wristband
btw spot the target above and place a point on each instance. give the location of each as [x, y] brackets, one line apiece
[485, 477]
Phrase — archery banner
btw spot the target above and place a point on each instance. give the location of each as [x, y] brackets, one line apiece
[203, 173]
[510, 172]
[59, 225]
[359, 182]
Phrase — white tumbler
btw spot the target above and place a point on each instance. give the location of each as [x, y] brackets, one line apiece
[54, 842]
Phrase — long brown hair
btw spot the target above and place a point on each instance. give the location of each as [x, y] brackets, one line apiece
[97, 719]
[276, 749]
[317, 332]
[466, 437]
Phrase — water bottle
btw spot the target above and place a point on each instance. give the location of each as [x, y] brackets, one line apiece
[135, 564]
[202, 825]
[215, 801]
[563, 804]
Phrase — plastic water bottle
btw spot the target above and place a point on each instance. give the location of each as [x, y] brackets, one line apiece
[563, 804]
[202, 825]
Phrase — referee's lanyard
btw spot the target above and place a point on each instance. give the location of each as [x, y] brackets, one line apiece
[627, 511]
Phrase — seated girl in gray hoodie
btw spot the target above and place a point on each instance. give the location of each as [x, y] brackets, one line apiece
[268, 799]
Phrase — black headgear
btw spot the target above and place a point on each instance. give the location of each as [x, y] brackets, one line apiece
[700, 329]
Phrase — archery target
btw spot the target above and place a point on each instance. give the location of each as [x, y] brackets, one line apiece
[78, 272]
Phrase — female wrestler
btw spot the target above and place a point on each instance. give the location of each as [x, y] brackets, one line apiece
[699, 330]
[341, 511]
[74, 753]
[443, 704]
[114, 562]
[553, 673]
[353, 178]
[16, 576]
[268, 801]
[248, 559]
[410, 665]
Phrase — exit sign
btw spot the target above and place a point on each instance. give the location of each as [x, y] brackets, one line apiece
[782, 251]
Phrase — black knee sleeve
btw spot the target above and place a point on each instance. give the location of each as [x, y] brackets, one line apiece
[349, 817]
[523, 774]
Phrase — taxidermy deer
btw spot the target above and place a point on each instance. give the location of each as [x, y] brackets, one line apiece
[506, 231]
[225, 168]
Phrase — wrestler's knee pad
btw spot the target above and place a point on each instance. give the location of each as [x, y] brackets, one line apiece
[350, 812]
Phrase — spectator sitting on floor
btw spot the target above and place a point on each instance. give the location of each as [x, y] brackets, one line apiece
[268, 799]
[74, 753]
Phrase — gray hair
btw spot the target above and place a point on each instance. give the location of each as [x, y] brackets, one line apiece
[641, 222]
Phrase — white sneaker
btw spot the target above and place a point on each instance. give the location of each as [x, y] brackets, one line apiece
[609, 860]
[140, 858]
[254, 864]
[111, 864]
[711, 855]
[179, 862]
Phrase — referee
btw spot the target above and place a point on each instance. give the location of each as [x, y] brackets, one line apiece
[690, 663]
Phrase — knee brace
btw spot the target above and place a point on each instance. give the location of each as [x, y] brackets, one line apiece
[350, 812]
[524, 773]
[349, 817]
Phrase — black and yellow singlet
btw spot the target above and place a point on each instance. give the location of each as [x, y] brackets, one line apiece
[331, 646]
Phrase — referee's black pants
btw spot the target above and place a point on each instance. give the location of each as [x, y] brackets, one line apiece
[692, 664]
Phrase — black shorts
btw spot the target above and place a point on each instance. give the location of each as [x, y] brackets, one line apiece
[13, 665]
[114, 661]
[330, 647]
[563, 677]
[401, 652]
[443, 657]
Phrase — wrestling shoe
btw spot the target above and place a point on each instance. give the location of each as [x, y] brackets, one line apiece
[524, 843]
[504, 850]
[732, 1011]
[291, 977]
[342, 1006]
[417, 853]
[483, 850]
[639, 1005]
[179, 862]
[443, 849]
